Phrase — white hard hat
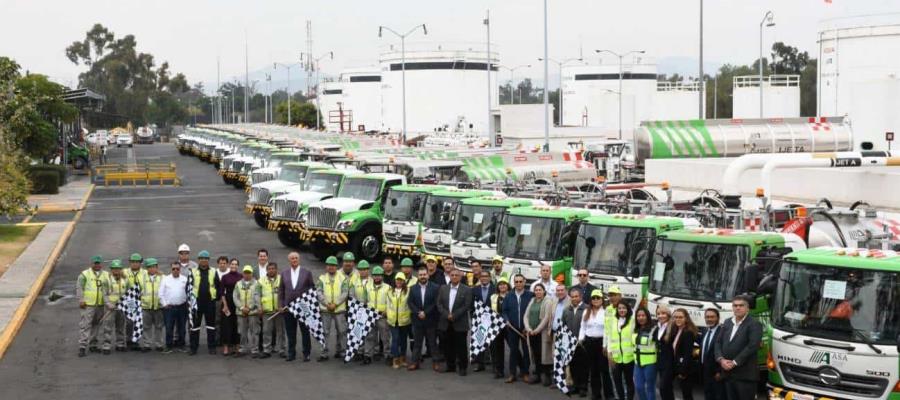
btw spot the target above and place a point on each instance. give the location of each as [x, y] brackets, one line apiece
[184, 247]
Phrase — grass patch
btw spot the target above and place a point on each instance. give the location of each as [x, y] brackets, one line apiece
[13, 241]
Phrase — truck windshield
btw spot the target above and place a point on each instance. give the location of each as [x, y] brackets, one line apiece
[531, 238]
[405, 206]
[293, 174]
[843, 304]
[698, 271]
[615, 250]
[323, 183]
[361, 189]
[439, 212]
[477, 224]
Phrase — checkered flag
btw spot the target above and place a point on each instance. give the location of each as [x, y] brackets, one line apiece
[191, 300]
[563, 349]
[486, 325]
[306, 309]
[360, 319]
[130, 305]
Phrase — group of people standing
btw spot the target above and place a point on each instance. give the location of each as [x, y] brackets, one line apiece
[622, 349]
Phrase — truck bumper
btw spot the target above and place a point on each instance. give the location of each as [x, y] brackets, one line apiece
[781, 393]
[254, 208]
[400, 249]
[326, 236]
[290, 226]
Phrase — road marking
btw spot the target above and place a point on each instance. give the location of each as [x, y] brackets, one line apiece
[174, 196]
[207, 234]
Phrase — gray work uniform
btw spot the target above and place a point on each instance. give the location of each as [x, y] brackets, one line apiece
[246, 294]
[336, 319]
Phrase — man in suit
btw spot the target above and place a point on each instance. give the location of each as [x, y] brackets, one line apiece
[454, 303]
[713, 387]
[295, 281]
[422, 302]
[482, 292]
[572, 317]
[513, 310]
[736, 349]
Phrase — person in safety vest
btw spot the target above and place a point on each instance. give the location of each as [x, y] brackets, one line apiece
[247, 304]
[497, 269]
[90, 290]
[272, 320]
[376, 298]
[406, 267]
[114, 326]
[398, 318]
[332, 288]
[133, 274]
[644, 355]
[358, 288]
[349, 268]
[620, 344]
[153, 314]
[206, 282]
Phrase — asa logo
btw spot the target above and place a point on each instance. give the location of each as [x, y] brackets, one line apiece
[828, 358]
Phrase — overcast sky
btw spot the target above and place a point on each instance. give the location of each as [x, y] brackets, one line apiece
[191, 34]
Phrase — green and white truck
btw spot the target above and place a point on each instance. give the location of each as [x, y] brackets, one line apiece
[352, 220]
[617, 249]
[475, 227]
[403, 215]
[440, 210]
[287, 177]
[532, 237]
[320, 184]
[836, 326]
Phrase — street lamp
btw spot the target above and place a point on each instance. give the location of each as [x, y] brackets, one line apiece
[512, 71]
[621, 56]
[402, 37]
[266, 98]
[559, 100]
[767, 21]
[288, 67]
[315, 61]
[546, 80]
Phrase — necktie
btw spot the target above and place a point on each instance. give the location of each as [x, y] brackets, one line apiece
[709, 335]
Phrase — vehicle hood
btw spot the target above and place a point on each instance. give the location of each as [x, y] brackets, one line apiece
[343, 204]
[303, 197]
[274, 185]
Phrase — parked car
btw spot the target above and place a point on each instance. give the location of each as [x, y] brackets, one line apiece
[124, 140]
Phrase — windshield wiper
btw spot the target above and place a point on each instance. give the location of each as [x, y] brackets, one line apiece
[685, 303]
[814, 342]
[866, 340]
[788, 336]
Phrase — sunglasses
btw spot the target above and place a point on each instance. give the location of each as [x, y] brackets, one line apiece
[582, 274]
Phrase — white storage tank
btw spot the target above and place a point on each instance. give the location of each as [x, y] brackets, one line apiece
[361, 100]
[859, 75]
[330, 102]
[676, 101]
[781, 96]
[445, 84]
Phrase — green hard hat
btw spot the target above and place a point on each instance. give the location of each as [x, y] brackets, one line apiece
[135, 257]
[348, 256]
[331, 260]
[97, 259]
[362, 265]
[115, 264]
[377, 270]
[203, 254]
[150, 262]
[406, 262]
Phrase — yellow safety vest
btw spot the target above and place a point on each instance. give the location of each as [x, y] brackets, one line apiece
[495, 304]
[377, 297]
[646, 348]
[332, 290]
[117, 288]
[150, 291]
[210, 276]
[246, 293]
[397, 309]
[610, 321]
[269, 291]
[359, 288]
[134, 277]
[352, 280]
[92, 291]
[621, 342]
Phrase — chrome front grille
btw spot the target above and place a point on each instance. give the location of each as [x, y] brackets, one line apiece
[262, 177]
[397, 237]
[438, 247]
[322, 218]
[259, 196]
[236, 165]
[285, 209]
[856, 385]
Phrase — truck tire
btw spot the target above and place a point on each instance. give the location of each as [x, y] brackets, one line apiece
[288, 238]
[237, 184]
[80, 163]
[366, 243]
[261, 219]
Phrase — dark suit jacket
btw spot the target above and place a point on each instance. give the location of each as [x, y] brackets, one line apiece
[572, 317]
[742, 349]
[438, 278]
[476, 293]
[414, 301]
[708, 363]
[287, 294]
[665, 357]
[513, 311]
[684, 353]
[461, 307]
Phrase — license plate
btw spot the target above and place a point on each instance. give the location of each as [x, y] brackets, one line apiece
[800, 396]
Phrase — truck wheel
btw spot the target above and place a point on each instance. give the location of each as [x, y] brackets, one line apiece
[321, 251]
[288, 238]
[262, 220]
[367, 243]
[237, 184]
[80, 163]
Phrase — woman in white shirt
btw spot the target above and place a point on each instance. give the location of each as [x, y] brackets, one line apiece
[591, 337]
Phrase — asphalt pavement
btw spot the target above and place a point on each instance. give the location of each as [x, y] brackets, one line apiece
[207, 214]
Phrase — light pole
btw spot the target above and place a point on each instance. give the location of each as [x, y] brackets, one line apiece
[559, 100]
[621, 56]
[266, 98]
[512, 71]
[546, 82]
[402, 37]
[701, 80]
[767, 21]
[315, 61]
[491, 132]
[288, 68]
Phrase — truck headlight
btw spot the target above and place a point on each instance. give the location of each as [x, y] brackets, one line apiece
[302, 217]
[344, 225]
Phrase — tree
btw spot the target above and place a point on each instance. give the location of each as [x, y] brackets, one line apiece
[301, 113]
[14, 186]
[788, 59]
[43, 108]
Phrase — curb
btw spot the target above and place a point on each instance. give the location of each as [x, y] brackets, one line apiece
[18, 318]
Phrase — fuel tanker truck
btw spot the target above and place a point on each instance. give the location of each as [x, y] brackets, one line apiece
[567, 169]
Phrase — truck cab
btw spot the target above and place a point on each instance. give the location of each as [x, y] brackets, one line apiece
[272, 166]
[475, 227]
[403, 215]
[320, 184]
[438, 222]
[352, 220]
[836, 325]
[291, 177]
[532, 237]
[617, 249]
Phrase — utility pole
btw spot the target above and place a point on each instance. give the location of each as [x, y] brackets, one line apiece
[621, 57]
[492, 133]
[546, 83]
[403, 66]
[315, 63]
[288, 68]
[309, 51]
[768, 20]
[218, 89]
[559, 100]
[701, 80]
[246, 80]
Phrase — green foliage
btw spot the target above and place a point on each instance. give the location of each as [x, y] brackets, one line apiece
[58, 169]
[45, 182]
[14, 186]
[301, 113]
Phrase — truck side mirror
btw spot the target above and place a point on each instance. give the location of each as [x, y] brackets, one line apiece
[590, 242]
[767, 285]
[394, 202]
